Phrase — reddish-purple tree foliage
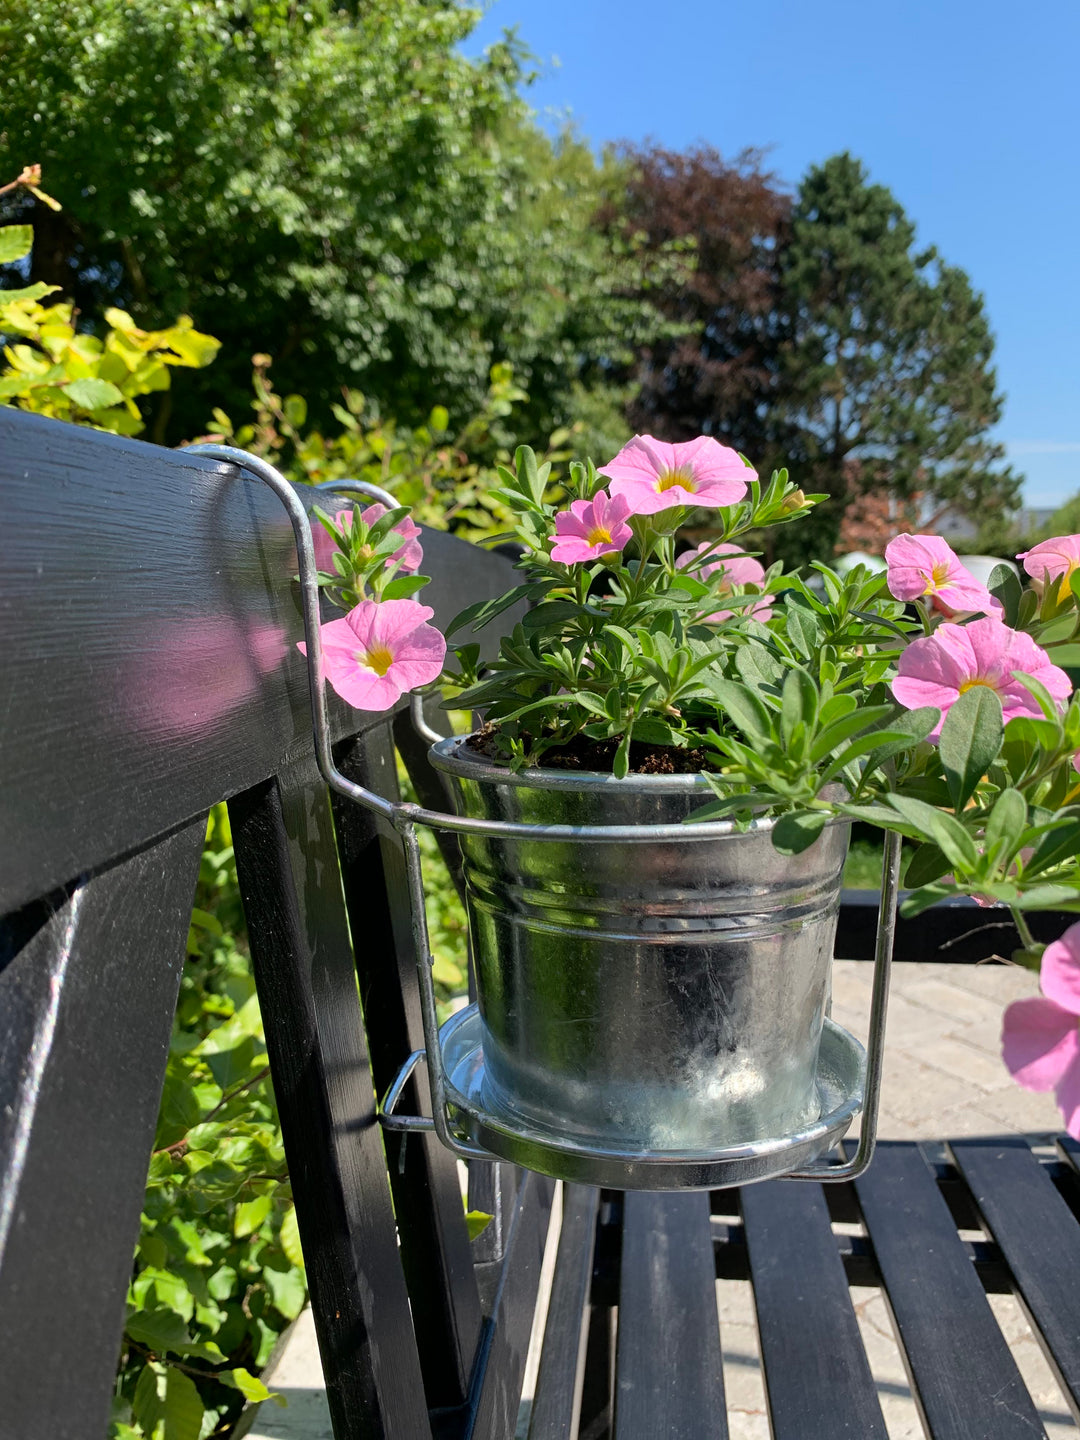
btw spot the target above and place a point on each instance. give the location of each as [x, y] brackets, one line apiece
[716, 373]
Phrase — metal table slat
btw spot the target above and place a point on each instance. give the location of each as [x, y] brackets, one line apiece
[963, 1376]
[669, 1368]
[1040, 1240]
[561, 1375]
[817, 1377]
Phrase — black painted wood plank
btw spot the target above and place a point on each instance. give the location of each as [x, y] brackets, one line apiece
[816, 1374]
[557, 1405]
[1040, 1240]
[435, 1246]
[291, 887]
[958, 932]
[963, 1377]
[86, 1010]
[669, 1368]
[496, 1392]
[157, 611]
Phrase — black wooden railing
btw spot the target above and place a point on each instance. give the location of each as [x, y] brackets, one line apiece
[149, 671]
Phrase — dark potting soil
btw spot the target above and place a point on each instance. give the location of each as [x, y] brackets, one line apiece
[599, 755]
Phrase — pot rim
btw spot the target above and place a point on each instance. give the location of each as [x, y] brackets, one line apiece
[450, 757]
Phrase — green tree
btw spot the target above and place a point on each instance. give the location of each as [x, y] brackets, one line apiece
[332, 183]
[816, 333]
[886, 380]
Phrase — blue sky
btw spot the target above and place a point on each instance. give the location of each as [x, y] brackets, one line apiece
[967, 111]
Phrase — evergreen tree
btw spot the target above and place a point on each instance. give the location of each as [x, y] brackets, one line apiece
[885, 380]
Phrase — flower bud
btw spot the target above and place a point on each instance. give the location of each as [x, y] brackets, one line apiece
[793, 502]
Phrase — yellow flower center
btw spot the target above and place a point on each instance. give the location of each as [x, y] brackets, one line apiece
[380, 659]
[682, 475]
[967, 685]
[598, 536]
[1063, 585]
[938, 576]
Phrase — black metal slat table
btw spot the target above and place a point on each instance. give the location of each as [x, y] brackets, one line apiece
[963, 1376]
[654, 1259]
[817, 1378]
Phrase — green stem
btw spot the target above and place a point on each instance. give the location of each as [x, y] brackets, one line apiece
[1022, 928]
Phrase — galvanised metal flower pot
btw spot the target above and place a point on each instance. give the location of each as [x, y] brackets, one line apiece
[662, 997]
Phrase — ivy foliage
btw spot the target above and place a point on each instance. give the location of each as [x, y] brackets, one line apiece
[218, 1270]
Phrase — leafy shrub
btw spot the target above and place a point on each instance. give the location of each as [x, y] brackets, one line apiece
[52, 368]
[218, 1270]
[447, 477]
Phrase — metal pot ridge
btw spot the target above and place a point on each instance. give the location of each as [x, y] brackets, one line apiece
[667, 996]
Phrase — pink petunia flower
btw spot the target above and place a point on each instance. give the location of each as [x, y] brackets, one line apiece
[1051, 559]
[922, 566]
[1040, 1039]
[591, 528]
[379, 652]
[740, 569]
[654, 475]
[410, 556]
[941, 667]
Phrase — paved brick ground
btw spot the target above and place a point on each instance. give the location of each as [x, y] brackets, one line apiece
[944, 1078]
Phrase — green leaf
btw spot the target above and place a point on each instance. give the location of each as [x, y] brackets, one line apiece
[941, 827]
[28, 292]
[970, 741]
[741, 705]
[1005, 587]
[1001, 837]
[850, 724]
[920, 900]
[925, 866]
[179, 1109]
[804, 628]
[651, 731]
[798, 702]
[183, 1409]
[439, 419]
[92, 394]
[478, 615]
[295, 408]
[289, 1238]
[250, 1386]
[15, 242]
[402, 586]
[531, 477]
[795, 832]
[620, 765]
[288, 1289]
[1047, 704]
[551, 613]
[1050, 897]
[758, 666]
[476, 1222]
[1054, 848]
[146, 1404]
[880, 744]
[250, 1214]
[159, 1330]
